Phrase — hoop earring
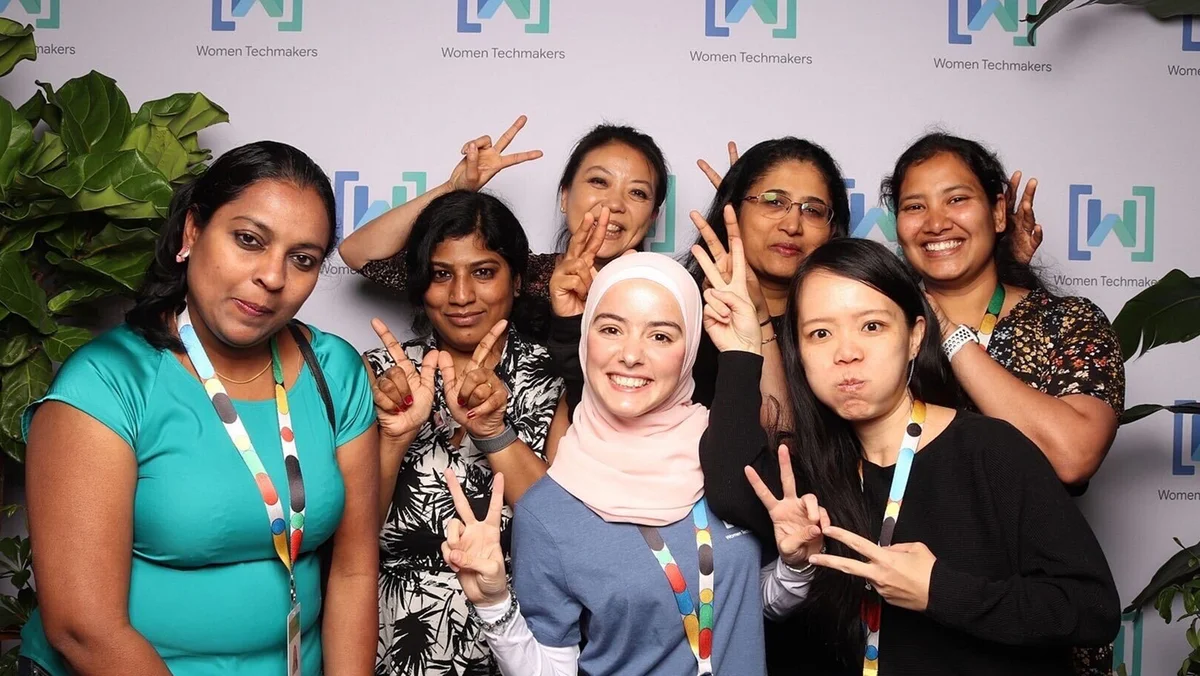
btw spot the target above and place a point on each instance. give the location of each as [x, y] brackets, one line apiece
[912, 363]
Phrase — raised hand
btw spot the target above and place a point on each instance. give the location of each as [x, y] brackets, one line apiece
[725, 263]
[477, 399]
[729, 315]
[899, 573]
[945, 326]
[574, 271]
[482, 160]
[1026, 234]
[713, 176]
[472, 547]
[798, 521]
[403, 397]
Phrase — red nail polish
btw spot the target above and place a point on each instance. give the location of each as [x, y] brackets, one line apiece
[408, 401]
[462, 402]
[470, 415]
[397, 410]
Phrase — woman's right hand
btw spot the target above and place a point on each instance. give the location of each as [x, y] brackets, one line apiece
[482, 160]
[799, 521]
[574, 272]
[403, 397]
[729, 314]
[713, 176]
[472, 547]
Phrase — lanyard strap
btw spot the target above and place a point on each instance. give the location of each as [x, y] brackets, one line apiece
[991, 316]
[241, 441]
[697, 626]
[871, 606]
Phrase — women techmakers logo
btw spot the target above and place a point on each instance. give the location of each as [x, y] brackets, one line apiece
[288, 13]
[1091, 226]
[44, 13]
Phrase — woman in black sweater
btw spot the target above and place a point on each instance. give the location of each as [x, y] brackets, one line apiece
[989, 568]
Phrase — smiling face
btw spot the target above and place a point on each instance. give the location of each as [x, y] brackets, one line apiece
[619, 177]
[944, 221]
[471, 288]
[855, 345]
[635, 348]
[777, 242]
[256, 261]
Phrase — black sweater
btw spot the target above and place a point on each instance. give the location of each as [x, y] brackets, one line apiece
[1019, 578]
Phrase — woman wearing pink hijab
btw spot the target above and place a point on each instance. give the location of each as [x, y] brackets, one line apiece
[619, 567]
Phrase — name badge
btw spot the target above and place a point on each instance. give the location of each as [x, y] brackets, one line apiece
[293, 640]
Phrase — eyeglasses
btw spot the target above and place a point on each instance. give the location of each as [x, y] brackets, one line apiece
[777, 205]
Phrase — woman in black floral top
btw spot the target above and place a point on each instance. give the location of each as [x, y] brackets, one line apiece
[478, 381]
[612, 166]
[1049, 365]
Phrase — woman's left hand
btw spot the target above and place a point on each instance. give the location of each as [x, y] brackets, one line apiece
[477, 399]
[1027, 234]
[729, 314]
[945, 327]
[900, 573]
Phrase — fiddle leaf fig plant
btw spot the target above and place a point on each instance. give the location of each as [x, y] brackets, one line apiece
[1159, 9]
[85, 183]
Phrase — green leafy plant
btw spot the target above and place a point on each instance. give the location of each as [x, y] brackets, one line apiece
[1160, 9]
[1165, 313]
[85, 183]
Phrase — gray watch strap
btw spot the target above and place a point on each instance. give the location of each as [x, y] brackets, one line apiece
[497, 443]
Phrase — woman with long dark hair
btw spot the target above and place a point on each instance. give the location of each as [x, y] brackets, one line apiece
[482, 402]
[952, 540]
[185, 465]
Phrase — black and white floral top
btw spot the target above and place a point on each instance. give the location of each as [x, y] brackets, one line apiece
[424, 628]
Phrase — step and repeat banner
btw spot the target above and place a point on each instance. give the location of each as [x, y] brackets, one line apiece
[383, 93]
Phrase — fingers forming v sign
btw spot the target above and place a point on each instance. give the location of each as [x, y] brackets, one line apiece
[798, 521]
[484, 160]
[900, 573]
[403, 397]
[721, 257]
[1027, 234]
[472, 547]
[713, 176]
[476, 397]
[573, 273]
[729, 315]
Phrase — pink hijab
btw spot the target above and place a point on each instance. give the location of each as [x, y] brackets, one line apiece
[643, 470]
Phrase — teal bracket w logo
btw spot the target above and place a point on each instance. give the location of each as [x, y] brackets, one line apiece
[355, 207]
[661, 238]
[522, 10]
[1089, 227]
[864, 221]
[1127, 649]
[972, 16]
[716, 23]
[225, 13]
[45, 13]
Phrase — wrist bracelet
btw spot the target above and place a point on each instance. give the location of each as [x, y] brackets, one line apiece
[771, 339]
[513, 608]
[764, 322]
[955, 341]
[497, 443]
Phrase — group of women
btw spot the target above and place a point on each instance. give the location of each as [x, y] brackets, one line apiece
[519, 489]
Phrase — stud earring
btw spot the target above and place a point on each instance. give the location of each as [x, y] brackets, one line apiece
[183, 254]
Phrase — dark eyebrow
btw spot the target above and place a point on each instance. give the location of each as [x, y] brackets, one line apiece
[670, 325]
[472, 264]
[271, 232]
[954, 188]
[609, 173]
[857, 315]
[609, 315]
[654, 324]
[802, 198]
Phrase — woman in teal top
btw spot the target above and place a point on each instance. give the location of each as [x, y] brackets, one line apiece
[163, 537]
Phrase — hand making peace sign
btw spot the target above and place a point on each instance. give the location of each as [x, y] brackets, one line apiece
[1026, 233]
[724, 263]
[798, 521]
[472, 547]
[900, 573]
[713, 176]
[574, 271]
[729, 315]
[483, 160]
[403, 396]
[477, 399]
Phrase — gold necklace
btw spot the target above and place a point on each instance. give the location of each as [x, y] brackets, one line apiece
[243, 382]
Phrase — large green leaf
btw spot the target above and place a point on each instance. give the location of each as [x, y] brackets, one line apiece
[124, 184]
[16, 138]
[20, 294]
[16, 348]
[15, 449]
[161, 148]
[1161, 9]
[95, 114]
[64, 341]
[125, 267]
[19, 238]
[1135, 413]
[70, 240]
[16, 45]
[49, 154]
[1177, 569]
[183, 114]
[196, 154]
[22, 384]
[81, 291]
[121, 239]
[1164, 313]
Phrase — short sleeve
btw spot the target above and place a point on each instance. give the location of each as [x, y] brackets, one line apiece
[108, 379]
[349, 385]
[389, 272]
[1086, 355]
[540, 583]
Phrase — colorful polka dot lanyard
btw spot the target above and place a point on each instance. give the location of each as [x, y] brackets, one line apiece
[241, 441]
[698, 627]
[872, 606]
[988, 323]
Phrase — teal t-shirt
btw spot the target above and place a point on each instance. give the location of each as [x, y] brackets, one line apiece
[206, 587]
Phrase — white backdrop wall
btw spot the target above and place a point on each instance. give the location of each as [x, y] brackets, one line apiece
[383, 93]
